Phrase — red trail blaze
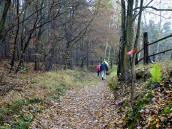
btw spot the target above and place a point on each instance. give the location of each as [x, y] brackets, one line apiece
[132, 52]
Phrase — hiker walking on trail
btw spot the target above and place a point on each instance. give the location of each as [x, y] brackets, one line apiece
[98, 69]
[104, 69]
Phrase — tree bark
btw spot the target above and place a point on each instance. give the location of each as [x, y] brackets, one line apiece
[126, 40]
[120, 70]
[134, 56]
[16, 37]
[36, 66]
[27, 42]
[4, 15]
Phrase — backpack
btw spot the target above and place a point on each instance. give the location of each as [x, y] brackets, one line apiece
[98, 68]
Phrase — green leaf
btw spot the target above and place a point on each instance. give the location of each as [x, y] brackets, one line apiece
[156, 73]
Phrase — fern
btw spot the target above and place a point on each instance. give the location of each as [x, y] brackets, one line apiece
[156, 73]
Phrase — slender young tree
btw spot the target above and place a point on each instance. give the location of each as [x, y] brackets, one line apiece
[16, 36]
[4, 15]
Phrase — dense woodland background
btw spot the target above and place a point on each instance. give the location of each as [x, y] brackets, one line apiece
[64, 34]
[58, 33]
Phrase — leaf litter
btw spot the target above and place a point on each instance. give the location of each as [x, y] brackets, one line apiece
[87, 108]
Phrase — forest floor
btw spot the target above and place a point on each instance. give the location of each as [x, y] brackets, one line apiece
[91, 107]
[57, 100]
[77, 99]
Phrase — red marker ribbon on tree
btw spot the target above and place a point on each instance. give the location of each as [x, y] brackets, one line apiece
[132, 52]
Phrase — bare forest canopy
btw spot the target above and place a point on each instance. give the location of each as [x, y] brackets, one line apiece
[51, 34]
[54, 34]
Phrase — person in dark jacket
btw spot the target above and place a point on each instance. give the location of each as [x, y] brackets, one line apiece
[103, 69]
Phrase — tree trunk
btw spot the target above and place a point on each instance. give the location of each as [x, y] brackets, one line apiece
[4, 15]
[129, 38]
[36, 66]
[16, 37]
[134, 56]
[120, 70]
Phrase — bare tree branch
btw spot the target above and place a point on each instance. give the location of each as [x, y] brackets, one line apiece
[157, 14]
[135, 15]
[154, 8]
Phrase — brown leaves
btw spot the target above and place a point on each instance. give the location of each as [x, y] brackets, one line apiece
[87, 108]
[157, 113]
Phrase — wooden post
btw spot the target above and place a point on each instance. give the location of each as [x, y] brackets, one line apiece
[136, 59]
[145, 47]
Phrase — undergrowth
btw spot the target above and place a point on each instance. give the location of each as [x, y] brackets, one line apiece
[156, 91]
[156, 73]
[113, 80]
[134, 115]
[59, 82]
[15, 116]
[20, 109]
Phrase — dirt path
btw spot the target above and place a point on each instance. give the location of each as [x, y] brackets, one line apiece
[87, 108]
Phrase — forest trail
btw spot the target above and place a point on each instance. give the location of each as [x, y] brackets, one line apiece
[91, 107]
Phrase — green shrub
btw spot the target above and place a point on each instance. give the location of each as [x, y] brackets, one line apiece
[134, 115]
[18, 118]
[113, 84]
[156, 73]
[168, 109]
[23, 122]
[24, 69]
[113, 80]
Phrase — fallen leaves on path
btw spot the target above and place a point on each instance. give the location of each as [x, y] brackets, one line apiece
[91, 107]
